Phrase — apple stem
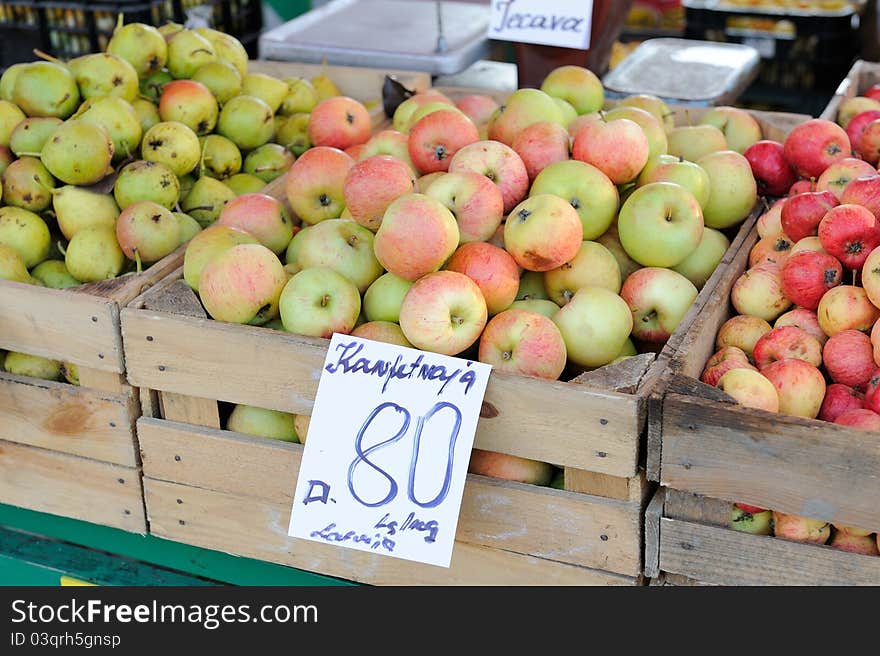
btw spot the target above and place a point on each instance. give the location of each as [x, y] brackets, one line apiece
[602, 116]
[137, 259]
[61, 248]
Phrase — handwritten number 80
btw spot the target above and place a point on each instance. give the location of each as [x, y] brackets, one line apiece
[362, 454]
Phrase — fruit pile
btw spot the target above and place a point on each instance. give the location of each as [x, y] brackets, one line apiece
[544, 237]
[111, 161]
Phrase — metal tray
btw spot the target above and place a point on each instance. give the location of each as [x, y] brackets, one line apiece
[398, 34]
[685, 71]
[729, 7]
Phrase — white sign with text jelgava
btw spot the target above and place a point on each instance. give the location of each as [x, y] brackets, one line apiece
[388, 447]
[563, 23]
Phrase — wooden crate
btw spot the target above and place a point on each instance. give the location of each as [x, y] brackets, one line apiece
[65, 449]
[694, 545]
[231, 492]
[861, 76]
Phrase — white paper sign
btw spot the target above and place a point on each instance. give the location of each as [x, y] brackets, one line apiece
[564, 23]
[390, 438]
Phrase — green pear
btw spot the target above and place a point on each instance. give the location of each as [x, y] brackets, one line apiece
[262, 423]
[25, 232]
[54, 274]
[77, 208]
[33, 366]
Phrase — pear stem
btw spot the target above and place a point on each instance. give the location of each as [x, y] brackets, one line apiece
[42, 55]
[62, 249]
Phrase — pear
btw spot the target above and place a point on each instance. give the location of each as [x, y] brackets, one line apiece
[12, 266]
[268, 162]
[147, 113]
[222, 78]
[119, 119]
[54, 274]
[324, 86]
[270, 90]
[262, 422]
[301, 97]
[246, 121]
[31, 133]
[206, 199]
[186, 184]
[104, 74]
[77, 208]
[151, 87]
[227, 48]
[45, 88]
[10, 117]
[172, 144]
[27, 184]
[7, 81]
[147, 232]
[220, 157]
[70, 372]
[94, 254]
[26, 233]
[6, 158]
[78, 153]
[187, 52]
[189, 227]
[143, 180]
[141, 45]
[293, 134]
[244, 183]
[22, 364]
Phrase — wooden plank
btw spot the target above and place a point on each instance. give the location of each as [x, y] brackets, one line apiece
[189, 409]
[653, 513]
[247, 526]
[149, 402]
[68, 419]
[544, 420]
[862, 75]
[801, 466]
[70, 486]
[106, 381]
[727, 557]
[59, 324]
[695, 508]
[539, 521]
[633, 489]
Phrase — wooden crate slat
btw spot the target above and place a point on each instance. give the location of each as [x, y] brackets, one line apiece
[727, 557]
[862, 75]
[258, 529]
[553, 524]
[61, 484]
[68, 419]
[544, 420]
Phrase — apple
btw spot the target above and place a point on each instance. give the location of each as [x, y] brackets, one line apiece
[592, 266]
[500, 164]
[372, 184]
[315, 182]
[758, 292]
[318, 302]
[860, 544]
[543, 232]
[691, 142]
[339, 122]
[871, 276]
[807, 244]
[667, 168]
[869, 143]
[800, 385]
[523, 342]
[474, 201]
[770, 222]
[417, 235]
[872, 91]
[808, 275]
[576, 85]
[652, 104]
[509, 468]
[802, 186]
[852, 530]
[422, 183]
[750, 389]
[581, 121]
[538, 305]
[355, 151]
[492, 268]
[875, 342]
[243, 284]
[383, 298]
[724, 360]
[660, 224]
[740, 129]
[388, 142]
[477, 107]
[800, 529]
[801, 214]
[841, 173]
[658, 298]
[209, 243]
[849, 358]
[773, 174]
[732, 188]
[864, 192]
[812, 146]
[853, 106]
[443, 312]
[382, 331]
[771, 249]
[860, 418]
[872, 392]
[262, 422]
[856, 127]
[591, 193]
[846, 307]
[339, 244]
[784, 343]
[805, 320]
[522, 108]
[611, 240]
[742, 331]
[838, 399]
[756, 523]
[531, 286]
[259, 215]
[540, 145]
[650, 124]
[618, 148]
[595, 325]
[435, 138]
[849, 233]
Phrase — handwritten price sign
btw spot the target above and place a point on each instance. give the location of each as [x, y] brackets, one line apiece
[389, 443]
[563, 23]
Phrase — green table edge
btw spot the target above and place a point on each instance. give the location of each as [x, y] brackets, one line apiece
[149, 550]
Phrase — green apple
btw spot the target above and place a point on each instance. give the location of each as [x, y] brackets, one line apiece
[732, 188]
[610, 239]
[568, 112]
[660, 224]
[755, 523]
[262, 422]
[531, 286]
[668, 168]
[536, 305]
[595, 325]
[700, 265]
[590, 192]
[691, 142]
[319, 302]
[577, 85]
[593, 266]
[654, 105]
[650, 124]
[740, 128]
[208, 244]
[523, 107]
[384, 297]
